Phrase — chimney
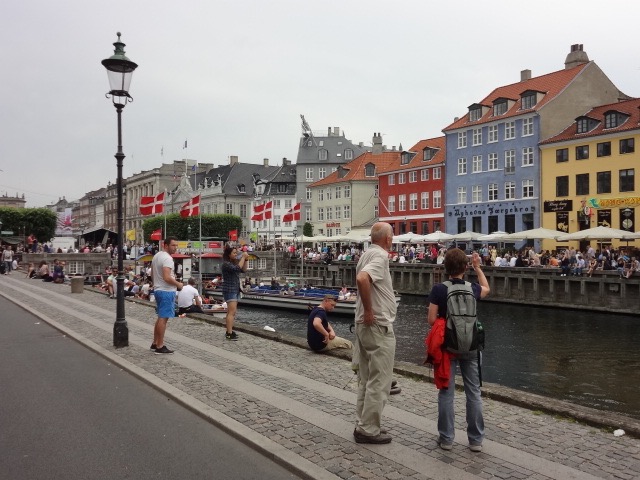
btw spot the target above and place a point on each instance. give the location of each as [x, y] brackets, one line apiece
[576, 57]
[233, 159]
[361, 144]
[328, 131]
[265, 162]
[285, 162]
[377, 144]
[336, 131]
[525, 75]
[393, 148]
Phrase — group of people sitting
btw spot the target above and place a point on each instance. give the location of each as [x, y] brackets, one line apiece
[44, 272]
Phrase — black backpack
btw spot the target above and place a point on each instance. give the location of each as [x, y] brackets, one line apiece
[463, 332]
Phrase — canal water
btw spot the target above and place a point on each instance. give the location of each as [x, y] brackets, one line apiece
[587, 358]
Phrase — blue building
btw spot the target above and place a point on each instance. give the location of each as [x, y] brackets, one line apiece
[493, 172]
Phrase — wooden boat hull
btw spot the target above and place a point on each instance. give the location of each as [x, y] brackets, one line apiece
[263, 299]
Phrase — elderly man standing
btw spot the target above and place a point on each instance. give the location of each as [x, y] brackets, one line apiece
[375, 340]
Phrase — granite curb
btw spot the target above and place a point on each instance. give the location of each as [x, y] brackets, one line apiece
[589, 416]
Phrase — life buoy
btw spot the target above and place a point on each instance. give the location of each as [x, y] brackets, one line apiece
[587, 211]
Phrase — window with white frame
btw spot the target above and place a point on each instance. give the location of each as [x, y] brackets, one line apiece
[492, 190]
[309, 193]
[509, 130]
[307, 215]
[392, 179]
[402, 202]
[322, 172]
[329, 193]
[376, 190]
[402, 178]
[308, 174]
[376, 211]
[424, 200]
[243, 211]
[413, 176]
[347, 191]
[476, 163]
[229, 209]
[338, 193]
[323, 154]
[338, 213]
[437, 199]
[462, 139]
[321, 195]
[348, 154]
[437, 173]
[462, 166]
[276, 220]
[510, 161]
[329, 213]
[527, 127]
[320, 214]
[346, 210]
[391, 203]
[74, 267]
[276, 203]
[527, 189]
[462, 194]
[492, 163]
[476, 193]
[492, 133]
[509, 190]
[424, 174]
[477, 136]
[527, 156]
[413, 201]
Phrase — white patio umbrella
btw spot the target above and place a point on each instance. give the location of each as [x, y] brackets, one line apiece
[599, 233]
[498, 236]
[437, 236]
[467, 236]
[408, 237]
[535, 234]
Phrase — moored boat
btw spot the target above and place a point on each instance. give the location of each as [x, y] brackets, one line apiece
[301, 300]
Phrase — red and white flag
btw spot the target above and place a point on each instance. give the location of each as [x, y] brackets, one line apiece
[191, 208]
[293, 214]
[151, 205]
[262, 212]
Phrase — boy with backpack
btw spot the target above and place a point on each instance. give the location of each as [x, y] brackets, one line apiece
[452, 304]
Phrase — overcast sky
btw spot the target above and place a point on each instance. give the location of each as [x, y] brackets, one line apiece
[232, 77]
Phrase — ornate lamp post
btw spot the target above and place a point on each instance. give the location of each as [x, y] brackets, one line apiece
[119, 70]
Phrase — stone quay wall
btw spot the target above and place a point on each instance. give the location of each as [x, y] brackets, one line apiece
[605, 291]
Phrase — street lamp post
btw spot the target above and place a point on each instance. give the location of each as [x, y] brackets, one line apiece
[119, 70]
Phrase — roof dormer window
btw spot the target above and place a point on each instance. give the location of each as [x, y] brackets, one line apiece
[405, 158]
[428, 153]
[342, 172]
[370, 170]
[475, 114]
[241, 188]
[499, 108]
[529, 100]
[614, 119]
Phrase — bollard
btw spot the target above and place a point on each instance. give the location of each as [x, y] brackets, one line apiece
[77, 284]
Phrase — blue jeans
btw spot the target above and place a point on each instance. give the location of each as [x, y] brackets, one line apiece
[446, 414]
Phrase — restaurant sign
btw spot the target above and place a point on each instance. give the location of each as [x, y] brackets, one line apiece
[558, 206]
[613, 202]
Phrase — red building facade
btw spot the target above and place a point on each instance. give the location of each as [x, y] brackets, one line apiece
[411, 190]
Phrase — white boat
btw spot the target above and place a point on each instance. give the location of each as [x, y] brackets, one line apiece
[301, 300]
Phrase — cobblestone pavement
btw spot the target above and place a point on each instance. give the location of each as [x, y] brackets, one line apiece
[298, 407]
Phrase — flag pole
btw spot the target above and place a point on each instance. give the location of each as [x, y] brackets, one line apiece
[200, 231]
[164, 232]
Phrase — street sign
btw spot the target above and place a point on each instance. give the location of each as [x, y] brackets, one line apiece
[6, 232]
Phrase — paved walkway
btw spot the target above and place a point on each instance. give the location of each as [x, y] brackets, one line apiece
[298, 407]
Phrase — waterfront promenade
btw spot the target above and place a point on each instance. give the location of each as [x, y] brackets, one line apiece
[298, 407]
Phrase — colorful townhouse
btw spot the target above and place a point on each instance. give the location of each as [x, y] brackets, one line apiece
[411, 189]
[493, 175]
[589, 172]
[347, 199]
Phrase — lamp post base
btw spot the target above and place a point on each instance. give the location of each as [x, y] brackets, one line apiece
[120, 335]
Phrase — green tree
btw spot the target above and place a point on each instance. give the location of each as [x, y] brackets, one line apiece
[307, 230]
[217, 225]
[39, 221]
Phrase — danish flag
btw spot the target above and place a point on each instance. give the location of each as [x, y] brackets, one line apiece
[293, 214]
[151, 205]
[191, 208]
[263, 212]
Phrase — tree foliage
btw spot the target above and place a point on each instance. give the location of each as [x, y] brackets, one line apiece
[307, 230]
[24, 221]
[216, 225]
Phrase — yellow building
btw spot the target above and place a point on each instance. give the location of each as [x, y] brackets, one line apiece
[588, 173]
